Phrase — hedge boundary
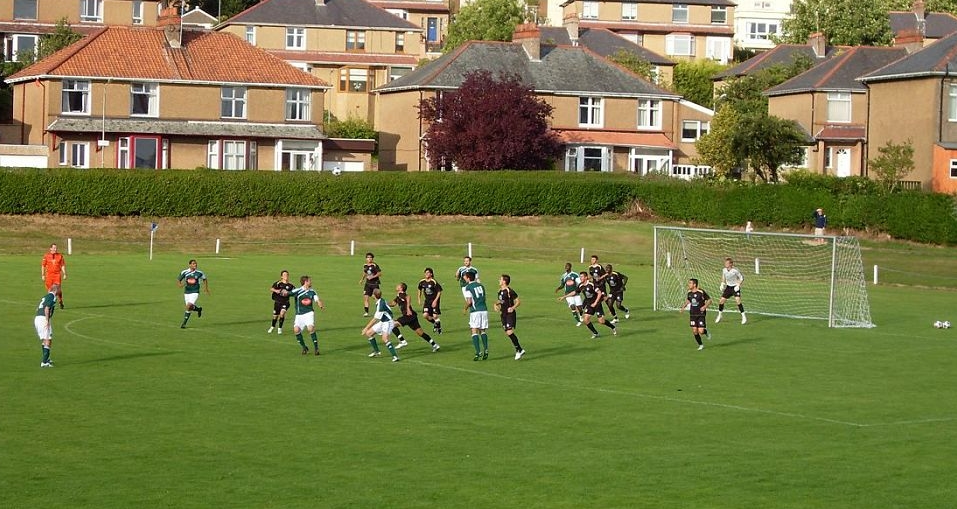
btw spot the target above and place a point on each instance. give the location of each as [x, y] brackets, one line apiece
[850, 203]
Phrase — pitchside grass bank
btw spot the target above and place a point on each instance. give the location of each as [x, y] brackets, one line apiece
[777, 413]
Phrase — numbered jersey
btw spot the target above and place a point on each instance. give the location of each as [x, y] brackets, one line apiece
[191, 280]
[476, 293]
[48, 301]
[305, 300]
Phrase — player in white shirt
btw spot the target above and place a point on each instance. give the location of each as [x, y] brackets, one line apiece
[731, 279]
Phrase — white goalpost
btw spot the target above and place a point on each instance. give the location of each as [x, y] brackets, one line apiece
[787, 275]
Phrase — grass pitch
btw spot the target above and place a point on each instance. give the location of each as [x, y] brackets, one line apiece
[777, 413]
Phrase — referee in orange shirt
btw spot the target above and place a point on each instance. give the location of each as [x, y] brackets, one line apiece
[53, 271]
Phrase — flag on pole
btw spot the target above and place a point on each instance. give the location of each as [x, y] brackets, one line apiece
[154, 227]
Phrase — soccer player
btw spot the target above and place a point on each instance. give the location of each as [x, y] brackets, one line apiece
[370, 276]
[616, 292]
[507, 302]
[592, 296]
[478, 314]
[192, 276]
[731, 279]
[697, 304]
[306, 299]
[381, 324]
[53, 271]
[431, 291]
[466, 268]
[280, 296]
[408, 318]
[597, 273]
[569, 285]
[43, 323]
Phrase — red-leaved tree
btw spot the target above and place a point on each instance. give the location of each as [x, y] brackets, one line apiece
[490, 124]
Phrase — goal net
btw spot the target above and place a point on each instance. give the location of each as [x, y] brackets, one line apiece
[794, 276]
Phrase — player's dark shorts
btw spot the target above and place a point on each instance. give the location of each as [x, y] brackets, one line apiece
[432, 310]
[411, 322]
[598, 310]
[699, 321]
[731, 291]
[508, 320]
[616, 296]
[370, 285]
[279, 305]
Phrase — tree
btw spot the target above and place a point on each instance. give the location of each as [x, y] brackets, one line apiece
[224, 8]
[62, 36]
[844, 22]
[746, 94]
[716, 148]
[768, 143]
[634, 63]
[692, 79]
[490, 124]
[484, 20]
[896, 161]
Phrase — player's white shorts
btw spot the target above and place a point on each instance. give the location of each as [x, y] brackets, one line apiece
[574, 300]
[305, 321]
[819, 231]
[478, 320]
[383, 327]
[191, 298]
[40, 324]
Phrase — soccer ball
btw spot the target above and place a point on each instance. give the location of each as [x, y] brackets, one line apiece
[938, 324]
[336, 171]
[945, 325]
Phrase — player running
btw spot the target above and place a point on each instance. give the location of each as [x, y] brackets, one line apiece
[431, 292]
[280, 295]
[408, 318]
[616, 292]
[192, 277]
[569, 286]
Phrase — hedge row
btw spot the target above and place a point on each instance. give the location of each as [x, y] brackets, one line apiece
[914, 216]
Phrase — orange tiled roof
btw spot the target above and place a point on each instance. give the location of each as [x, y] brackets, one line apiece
[142, 53]
[616, 138]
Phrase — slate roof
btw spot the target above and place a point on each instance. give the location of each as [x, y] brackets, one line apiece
[187, 128]
[142, 53]
[561, 70]
[936, 25]
[782, 54]
[840, 72]
[842, 132]
[306, 13]
[601, 41]
[938, 59]
[414, 5]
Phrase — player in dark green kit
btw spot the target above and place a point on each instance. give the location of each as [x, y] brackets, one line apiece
[466, 268]
[306, 298]
[190, 279]
[43, 323]
[478, 314]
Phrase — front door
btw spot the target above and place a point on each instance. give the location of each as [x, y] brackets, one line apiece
[842, 162]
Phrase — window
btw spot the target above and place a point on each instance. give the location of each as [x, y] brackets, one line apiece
[295, 38]
[233, 102]
[761, 31]
[146, 152]
[144, 99]
[952, 103]
[399, 43]
[232, 155]
[91, 10]
[355, 40]
[123, 153]
[353, 80]
[629, 11]
[402, 13]
[679, 45]
[827, 157]
[74, 154]
[21, 44]
[25, 9]
[76, 97]
[137, 12]
[719, 15]
[299, 155]
[589, 112]
[838, 106]
[298, 104]
[587, 159]
[953, 168]
[679, 13]
[251, 34]
[718, 49]
[691, 130]
[649, 114]
[589, 10]
[762, 5]
[398, 72]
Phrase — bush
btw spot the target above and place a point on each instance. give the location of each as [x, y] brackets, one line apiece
[850, 203]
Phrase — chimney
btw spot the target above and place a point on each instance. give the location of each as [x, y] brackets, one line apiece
[531, 38]
[910, 39]
[818, 43]
[919, 10]
[571, 24]
[171, 21]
